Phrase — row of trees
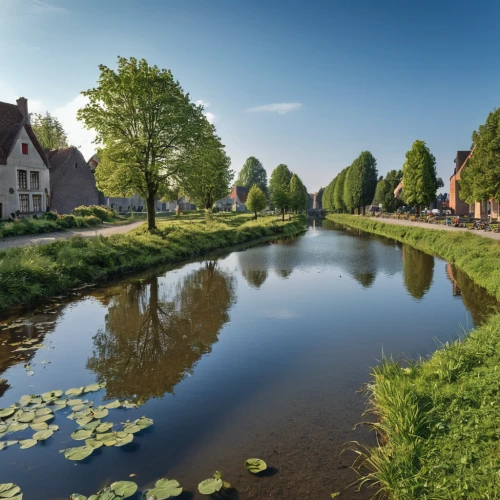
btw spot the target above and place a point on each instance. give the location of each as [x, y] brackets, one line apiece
[354, 187]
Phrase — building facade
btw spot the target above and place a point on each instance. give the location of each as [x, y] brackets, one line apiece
[24, 167]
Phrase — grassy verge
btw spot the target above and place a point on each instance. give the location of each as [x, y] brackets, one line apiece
[29, 273]
[438, 419]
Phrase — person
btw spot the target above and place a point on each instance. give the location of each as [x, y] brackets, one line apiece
[456, 222]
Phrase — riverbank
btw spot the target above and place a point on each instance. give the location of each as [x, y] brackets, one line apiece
[437, 418]
[34, 272]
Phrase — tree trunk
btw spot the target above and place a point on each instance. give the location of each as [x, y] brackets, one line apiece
[150, 204]
[256, 215]
[283, 215]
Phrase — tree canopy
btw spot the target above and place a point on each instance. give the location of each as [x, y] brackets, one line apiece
[338, 191]
[384, 193]
[279, 188]
[299, 198]
[419, 176]
[149, 128]
[256, 200]
[252, 173]
[49, 131]
[480, 179]
[361, 182]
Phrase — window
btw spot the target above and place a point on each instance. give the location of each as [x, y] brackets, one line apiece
[22, 179]
[37, 203]
[35, 180]
[24, 148]
[24, 202]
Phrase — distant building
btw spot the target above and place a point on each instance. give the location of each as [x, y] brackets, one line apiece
[238, 198]
[24, 167]
[72, 183]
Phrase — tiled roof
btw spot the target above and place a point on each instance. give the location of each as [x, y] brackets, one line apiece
[11, 121]
[242, 193]
[58, 157]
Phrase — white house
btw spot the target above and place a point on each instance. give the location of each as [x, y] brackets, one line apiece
[24, 167]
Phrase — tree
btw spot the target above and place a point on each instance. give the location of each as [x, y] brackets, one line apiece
[256, 200]
[384, 193]
[418, 269]
[149, 129]
[361, 182]
[207, 178]
[480, 179]
[319, 197]
[338, 192]
[253, 173]
[419, 176]
[279, 188]
[49, 131]
[299, 199]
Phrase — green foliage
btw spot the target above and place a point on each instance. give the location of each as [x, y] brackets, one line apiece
[256, 200]
[104, 213]
[361, 181]
[480, 179]
[299, 198]
[419, 176]
[149, 129]
[49, 131]
[253, 173]
[384, 192]
[211, 485]
[29, 273]
[338, 192]
[279, 188]
[255, 465]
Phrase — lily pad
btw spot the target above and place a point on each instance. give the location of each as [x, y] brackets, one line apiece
[94, 443]
[43, 435]
[255, 465]
[43, 418]
[53, 427]
[101, 413]
[8, 490]
[144, 422]
[92, 388]
[105, 427]
[210, 486]
[16, 427]
[92, 425]
[131, 428]
[27, 443]
[27, 416]
[6, 412]
[81, 434]
[78, 453]
[75, 402]
[114, 404]
[165, 488]
[77, 496]
[75, 391]
[123, 440]
[48, 396]
[41, 426]
[123, 489]
[6, 444]
[43, 411]
[84, 420]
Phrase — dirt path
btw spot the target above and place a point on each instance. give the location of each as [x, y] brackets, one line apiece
[44, 239]
[440, 227]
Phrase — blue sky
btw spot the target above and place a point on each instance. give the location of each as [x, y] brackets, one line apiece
[310, 83]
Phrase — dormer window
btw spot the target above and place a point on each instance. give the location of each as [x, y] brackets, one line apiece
[24, 148]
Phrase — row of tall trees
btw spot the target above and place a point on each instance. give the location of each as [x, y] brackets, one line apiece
[154, 140]
[354, 187]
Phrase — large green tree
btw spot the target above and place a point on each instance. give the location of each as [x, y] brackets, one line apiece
[253, 173]
[279, 188]
[480, 179]
[148, 127]
[49, 131]
[338, 191]
[256, 200]
[299, 199]
[361, 182]
[208, 176]
[384, 193]
[419, 176]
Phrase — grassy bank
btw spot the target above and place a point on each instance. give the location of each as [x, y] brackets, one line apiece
[438, 419]
[29, 273]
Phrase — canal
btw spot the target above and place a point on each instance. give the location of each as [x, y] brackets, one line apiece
[253, 353]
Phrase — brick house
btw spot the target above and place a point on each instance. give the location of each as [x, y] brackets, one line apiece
[72, 183]
[238, 197]
[24, 167]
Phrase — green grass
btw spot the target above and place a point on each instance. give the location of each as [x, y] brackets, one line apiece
[438, 419]
[30, 273]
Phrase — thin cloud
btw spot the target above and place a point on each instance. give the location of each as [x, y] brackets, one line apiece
[210, 117]
[39, 6]
[201, 102]
[282, 108]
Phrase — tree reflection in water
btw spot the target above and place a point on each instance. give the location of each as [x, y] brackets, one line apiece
[154, 336]
[418, 268]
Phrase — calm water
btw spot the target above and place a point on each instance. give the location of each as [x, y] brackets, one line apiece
[255, 353]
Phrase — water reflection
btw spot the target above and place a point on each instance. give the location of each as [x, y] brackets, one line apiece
[418, 271]
[154, 333]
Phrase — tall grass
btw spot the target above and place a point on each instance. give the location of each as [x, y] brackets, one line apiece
[29, 273]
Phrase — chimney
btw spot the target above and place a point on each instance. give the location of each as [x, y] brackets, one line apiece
[22, 104]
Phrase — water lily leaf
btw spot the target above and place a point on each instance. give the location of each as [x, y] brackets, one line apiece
[78, 408]
[81, 434]
[144, 422]
[94, 443]
[8, 490]
[132, 428]
[92, 425]
[58, 406]
[164, 488]
[27, 443]
[6, 444]
[92, 388]
[43, 418]
[80, 414]
[51, 395]
[26, 416]
[114, 404]
[43, 411]
[104, 427]
[123, 489]
[78, 453]
[54, 428]
[84, 420]
[255, 465]
[75, 402]
[15, 427]
[103, 437]
[40, 426]
[77, 496]
[3, 427]
[122, 441]
[210, 486]
[75, 391]
[6, 412]
[24, 400]
[101, 413]
[335, 495]
[42, 435]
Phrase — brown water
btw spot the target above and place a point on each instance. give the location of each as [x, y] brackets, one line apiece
[255, 353]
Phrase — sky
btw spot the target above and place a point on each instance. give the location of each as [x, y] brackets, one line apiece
[310, 84]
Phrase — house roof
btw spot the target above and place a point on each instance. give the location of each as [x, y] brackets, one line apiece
[11, 122]
[58, 157]
[241, 192]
